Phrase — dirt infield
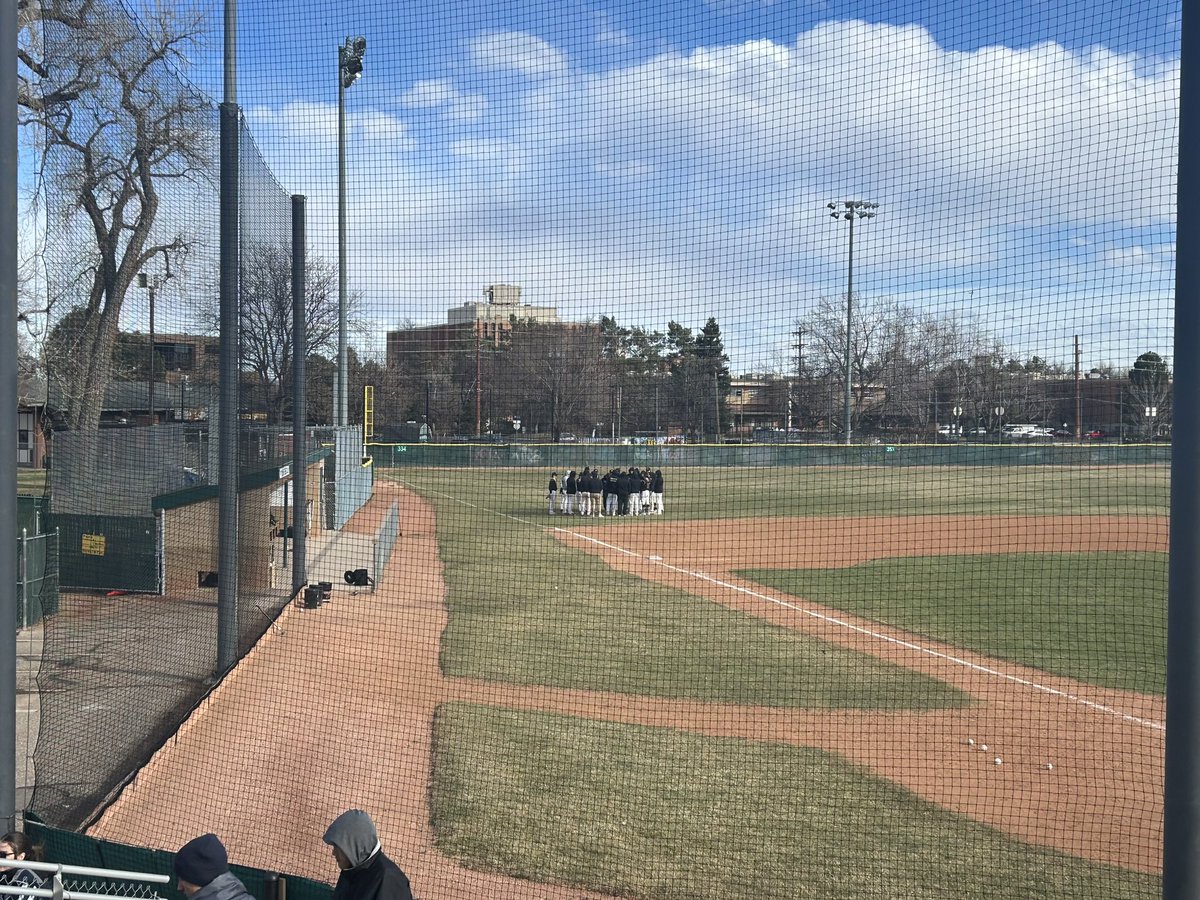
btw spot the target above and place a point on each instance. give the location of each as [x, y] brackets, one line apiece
[311, 713]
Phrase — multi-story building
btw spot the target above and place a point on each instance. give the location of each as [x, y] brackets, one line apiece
[487, 321]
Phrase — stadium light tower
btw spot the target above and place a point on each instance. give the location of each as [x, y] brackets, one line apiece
[350, 66]
[850, 210]
[152, 283]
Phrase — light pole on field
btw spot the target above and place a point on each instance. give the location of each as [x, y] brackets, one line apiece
[850, 210]
[152, 284]
[350, 66]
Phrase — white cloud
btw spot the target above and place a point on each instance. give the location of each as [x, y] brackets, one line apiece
[520, 52]
[442, 94]
[608, 35]
[1019, 183]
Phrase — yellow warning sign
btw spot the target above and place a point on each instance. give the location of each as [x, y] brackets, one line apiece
[93, 544]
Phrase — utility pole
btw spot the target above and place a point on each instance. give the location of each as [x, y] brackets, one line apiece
[791, 411]
[1079, 400]
[717, 407]
[151, 284]
[850, 210]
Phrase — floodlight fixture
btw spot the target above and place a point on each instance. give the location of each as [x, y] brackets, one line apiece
[350, 60]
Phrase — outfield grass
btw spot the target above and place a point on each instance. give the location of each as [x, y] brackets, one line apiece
[595, 804]
[526, 609]
[645, 812]
[1100, 618]
[707, 493]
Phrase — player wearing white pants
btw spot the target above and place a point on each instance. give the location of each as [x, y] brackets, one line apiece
[583, 493]
[656, 492]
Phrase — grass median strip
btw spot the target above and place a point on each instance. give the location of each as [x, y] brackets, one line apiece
[599, 805]
[1097, 617]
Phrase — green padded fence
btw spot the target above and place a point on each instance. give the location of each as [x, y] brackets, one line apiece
[106, 552]
[566, 456]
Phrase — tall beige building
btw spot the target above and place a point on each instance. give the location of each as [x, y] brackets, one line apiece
[503, 302]
[485, 321]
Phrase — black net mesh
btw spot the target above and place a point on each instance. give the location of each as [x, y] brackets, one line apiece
[755, 467]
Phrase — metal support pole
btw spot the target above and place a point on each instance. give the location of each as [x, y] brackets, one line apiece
[153, 418]
[846, 391]
[287, 490]
[230, 258]
[299, 396]
[1181, 807]
[340, 401]
[23, 574]
[8, 413]
[850, 210]
[478, 375]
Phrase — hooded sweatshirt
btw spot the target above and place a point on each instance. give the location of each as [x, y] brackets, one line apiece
[371, 876]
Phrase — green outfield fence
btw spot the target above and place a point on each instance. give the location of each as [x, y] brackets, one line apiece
[562, 457]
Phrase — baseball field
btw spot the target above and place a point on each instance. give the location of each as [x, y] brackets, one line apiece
[818, 682]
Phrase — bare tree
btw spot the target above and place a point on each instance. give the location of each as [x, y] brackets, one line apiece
[875, 333]
[557, 371]
[266, 319]
[114, 123]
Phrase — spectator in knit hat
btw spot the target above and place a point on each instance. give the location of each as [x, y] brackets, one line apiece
[17, 847]
[367, 874]
[202, 867]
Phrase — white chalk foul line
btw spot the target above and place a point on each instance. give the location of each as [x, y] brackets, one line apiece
[908, 645]
[833, 620]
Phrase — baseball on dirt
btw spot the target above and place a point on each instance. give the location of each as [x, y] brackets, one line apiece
[970, 742]
[999, 760]
[983, 746]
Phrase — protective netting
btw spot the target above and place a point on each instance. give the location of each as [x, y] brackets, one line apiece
[777, 406]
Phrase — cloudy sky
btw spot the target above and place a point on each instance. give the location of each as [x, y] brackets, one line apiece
[672, 159]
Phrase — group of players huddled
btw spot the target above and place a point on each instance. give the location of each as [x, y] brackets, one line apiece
[619, 492]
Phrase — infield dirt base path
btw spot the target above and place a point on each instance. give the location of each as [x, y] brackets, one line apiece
[323, 697]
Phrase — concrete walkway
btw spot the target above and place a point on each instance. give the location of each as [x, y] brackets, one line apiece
[329, 555]
[29, 661]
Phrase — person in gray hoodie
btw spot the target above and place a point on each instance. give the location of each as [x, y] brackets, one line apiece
[202, 868]
[367, 874]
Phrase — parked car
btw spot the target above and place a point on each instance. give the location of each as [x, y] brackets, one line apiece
[1095, 435]
[566, 438]
[1027, 433]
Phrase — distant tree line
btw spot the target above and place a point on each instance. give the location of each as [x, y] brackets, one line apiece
[555, 378]
[910, 371]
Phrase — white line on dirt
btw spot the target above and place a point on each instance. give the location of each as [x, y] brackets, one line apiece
[908, 645]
